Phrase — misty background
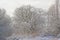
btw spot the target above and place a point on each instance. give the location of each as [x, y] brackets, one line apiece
[11, 5]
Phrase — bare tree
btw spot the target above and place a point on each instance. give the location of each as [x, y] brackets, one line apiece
[57, 9]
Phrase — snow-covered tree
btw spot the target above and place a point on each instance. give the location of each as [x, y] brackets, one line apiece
[28, 19]
[53, 22]
[5, 25]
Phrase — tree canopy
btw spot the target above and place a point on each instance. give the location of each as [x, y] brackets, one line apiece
[28, 19]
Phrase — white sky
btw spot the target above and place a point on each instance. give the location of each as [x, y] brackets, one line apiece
[11, 5]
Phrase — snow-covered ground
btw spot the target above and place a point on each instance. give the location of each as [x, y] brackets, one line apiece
[33, 38]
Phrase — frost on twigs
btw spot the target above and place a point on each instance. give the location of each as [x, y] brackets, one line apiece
[28, 20]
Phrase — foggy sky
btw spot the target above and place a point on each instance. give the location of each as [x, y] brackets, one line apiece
[11, 5]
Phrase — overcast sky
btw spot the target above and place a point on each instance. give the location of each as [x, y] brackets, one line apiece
[11, 5]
